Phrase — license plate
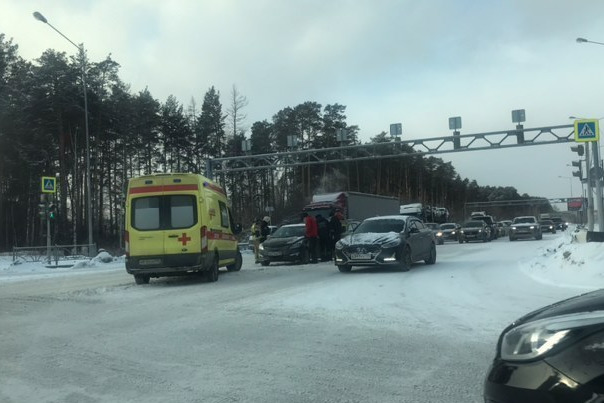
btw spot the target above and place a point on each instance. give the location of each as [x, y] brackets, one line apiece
[149, 262]
[273, 253]
[360, 256]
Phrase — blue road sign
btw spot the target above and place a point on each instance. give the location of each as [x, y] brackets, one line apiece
[587, 130]
[49, 184]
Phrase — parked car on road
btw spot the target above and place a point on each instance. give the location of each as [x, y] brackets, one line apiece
[475, 230]
[525, 227]
[560, 225]
[395, 241]
[547, 226]
[554, 354]
[450, 231]
[286, 244]
[494, 232]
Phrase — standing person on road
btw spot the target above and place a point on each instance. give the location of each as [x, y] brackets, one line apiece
[335, 230]
[265, 231]
[311, 233]
[324, 241]
[256, 239]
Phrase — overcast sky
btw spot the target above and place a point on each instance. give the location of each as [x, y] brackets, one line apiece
[413, 62]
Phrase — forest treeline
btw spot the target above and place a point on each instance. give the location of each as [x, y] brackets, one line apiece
[42, 133]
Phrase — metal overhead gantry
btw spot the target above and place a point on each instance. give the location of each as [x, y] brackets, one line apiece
[519, 137]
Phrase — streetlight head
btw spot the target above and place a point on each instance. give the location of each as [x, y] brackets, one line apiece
[581, 40]
[573, 117]
[38, 16]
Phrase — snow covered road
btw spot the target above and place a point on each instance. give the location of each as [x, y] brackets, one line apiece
[282, 333]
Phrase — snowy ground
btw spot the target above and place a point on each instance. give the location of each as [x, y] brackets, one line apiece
[279, 333]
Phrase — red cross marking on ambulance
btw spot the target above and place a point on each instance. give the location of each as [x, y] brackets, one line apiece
[184, 238]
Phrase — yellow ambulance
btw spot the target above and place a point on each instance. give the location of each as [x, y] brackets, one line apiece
[178, 224]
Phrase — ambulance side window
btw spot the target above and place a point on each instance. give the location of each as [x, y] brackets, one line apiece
[183, 213]
[145, 213]
[224, 215]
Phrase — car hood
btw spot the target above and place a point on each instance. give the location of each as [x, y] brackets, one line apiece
[370, 238]
[593, 301]
[525, 224]
[278, 242]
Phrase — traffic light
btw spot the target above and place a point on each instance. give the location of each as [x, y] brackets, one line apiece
[42, 207]
[579, 149]
[52, 211]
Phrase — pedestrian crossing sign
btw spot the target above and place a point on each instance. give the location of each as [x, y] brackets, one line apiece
[587, 130]
[49, 184]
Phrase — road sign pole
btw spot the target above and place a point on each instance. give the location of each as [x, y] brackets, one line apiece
[598, 179]
[590, 199]
[48, 241]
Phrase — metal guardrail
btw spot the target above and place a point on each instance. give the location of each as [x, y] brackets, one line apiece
[54, 253]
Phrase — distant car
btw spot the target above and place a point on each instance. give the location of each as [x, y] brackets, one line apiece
[474, 230]
[494, 232]
[450, 231]
[554, 354]
[286, 244]
[547, 226]
[525, 227]
[560, 225]
[438, 235]
[395, 241]
[502, 229]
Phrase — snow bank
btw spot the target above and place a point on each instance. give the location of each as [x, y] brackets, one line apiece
[569, 262]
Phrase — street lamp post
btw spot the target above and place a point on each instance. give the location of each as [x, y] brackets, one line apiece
[92, 251]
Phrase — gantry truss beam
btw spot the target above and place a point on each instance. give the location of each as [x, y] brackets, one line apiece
[519, 137]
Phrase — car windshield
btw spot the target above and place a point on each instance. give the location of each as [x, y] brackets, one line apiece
[473, 224]
[288, 232]
[447, 226]
[380, 226]
[524, 220]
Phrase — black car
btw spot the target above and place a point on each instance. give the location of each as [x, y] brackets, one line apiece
[547, 226]
[494, 231]
[475, 230]
[450, 231]
[525, 227]
[286, 244]
[560, 225]
[554, 354]
[386, 241]
[438, 235]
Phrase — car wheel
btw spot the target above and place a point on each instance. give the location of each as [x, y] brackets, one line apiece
[441, 241]
[304, 256]
[512, 238]
[406, 259]
[238, 263]
[265, 262]
[212, 274]
[139, 279]
[345, 268]
[553, 231]
[460, 240]
[539, 237]
[432, 257]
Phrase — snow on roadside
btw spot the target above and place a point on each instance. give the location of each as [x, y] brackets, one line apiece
[22, 270]
[568, 263]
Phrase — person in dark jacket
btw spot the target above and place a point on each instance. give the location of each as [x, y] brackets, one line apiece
[335, 229]
[311, 233]
[324, 241]
[265, 231]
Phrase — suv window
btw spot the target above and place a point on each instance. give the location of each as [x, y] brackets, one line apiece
[224, 215]
[145, 213]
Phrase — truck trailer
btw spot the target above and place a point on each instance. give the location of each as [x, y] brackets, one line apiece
[352, 205]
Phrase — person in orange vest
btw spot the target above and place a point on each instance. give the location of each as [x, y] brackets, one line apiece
[312, 234]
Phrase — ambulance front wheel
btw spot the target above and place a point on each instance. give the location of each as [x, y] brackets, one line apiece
[238, 263]
[140, 279]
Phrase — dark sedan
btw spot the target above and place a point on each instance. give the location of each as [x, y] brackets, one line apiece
[553, 355]
[396, 241]
[474, 231]
[547, 226]
[286, 244]
[450, 231]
